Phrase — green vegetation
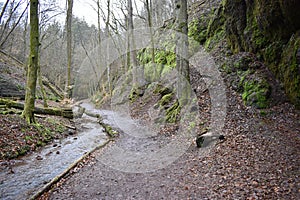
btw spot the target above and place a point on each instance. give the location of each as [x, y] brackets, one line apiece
[165, 100]
[25, 137]
[256, 93]
[173, 113]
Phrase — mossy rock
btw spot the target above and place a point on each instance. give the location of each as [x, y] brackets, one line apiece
[173, 113]
[162, 90]
[166, 99]
[256, 93]
[134, 94]
[290, 69]
[197, 32]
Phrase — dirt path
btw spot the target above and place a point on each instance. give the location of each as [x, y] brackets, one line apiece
[259, 160]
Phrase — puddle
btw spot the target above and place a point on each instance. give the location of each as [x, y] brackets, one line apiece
[33, 171]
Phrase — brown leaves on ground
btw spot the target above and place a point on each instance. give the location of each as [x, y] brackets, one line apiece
[18, 138]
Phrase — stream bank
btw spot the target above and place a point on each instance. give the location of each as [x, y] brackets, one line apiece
[21, 178]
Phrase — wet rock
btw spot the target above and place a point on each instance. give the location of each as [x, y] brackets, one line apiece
[39, 158]
[71, 131]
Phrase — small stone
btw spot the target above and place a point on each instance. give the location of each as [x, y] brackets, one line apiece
[39, 158]
[57, 152]
[221, 137]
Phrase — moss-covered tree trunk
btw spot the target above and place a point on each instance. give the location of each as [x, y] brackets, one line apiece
[182, 45]
[69, 48]
[28, 112]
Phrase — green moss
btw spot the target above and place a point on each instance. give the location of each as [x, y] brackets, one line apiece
[28, 138]
[173, 112]
[166, 99]
[23, 150]
[133, 94]
[290, 70]
[109, 130]
[212, 41]
[162, 90]
[263, 113]
[191, 126]
[256, 93]
[197, 32]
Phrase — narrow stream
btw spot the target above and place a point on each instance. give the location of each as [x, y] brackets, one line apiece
[31, 172]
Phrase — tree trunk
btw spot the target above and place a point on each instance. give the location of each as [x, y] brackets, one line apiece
[67, 113]
[99, 22]
[107, 47]
[57, 91]
[28, 112]
[69, 48]
[132, 44]
[182, 63]
[149, 12]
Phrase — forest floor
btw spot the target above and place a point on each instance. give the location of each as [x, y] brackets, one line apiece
[18, 138]
[258, 160]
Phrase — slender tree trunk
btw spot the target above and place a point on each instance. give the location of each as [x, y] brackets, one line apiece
[69, 47]
[25, 40]
[28, 112]
[182, 62]
[107, 48]
[3, 10]
[150, 24]
[99, 22]
[131, 41]
[148, 7]
[40, 81]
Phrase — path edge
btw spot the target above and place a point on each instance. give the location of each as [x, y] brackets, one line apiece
[56, 179]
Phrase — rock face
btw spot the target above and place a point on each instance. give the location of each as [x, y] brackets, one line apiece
[269, 29]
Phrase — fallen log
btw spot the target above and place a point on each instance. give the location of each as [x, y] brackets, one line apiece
[57, 91]
[67, 113]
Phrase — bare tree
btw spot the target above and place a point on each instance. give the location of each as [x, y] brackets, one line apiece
[131, 43]
[3, 10]
[11, 22]
[69, 47]
[33, 63]
[149, 18]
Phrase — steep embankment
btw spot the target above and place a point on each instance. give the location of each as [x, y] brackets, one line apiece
[263, 39]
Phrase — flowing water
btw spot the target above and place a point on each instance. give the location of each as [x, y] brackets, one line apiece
[31, 173]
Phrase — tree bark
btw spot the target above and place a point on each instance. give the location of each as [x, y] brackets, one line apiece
[107, 34]
[132, 51]
[40, 82]
[53, 88]
[149, 16]
[69, 48]
[182, 62]
[67, 113]
[28, 112]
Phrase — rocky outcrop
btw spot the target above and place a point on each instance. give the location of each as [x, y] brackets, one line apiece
[269, 30]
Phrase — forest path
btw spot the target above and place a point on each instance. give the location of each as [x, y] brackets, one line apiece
[258, 160]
